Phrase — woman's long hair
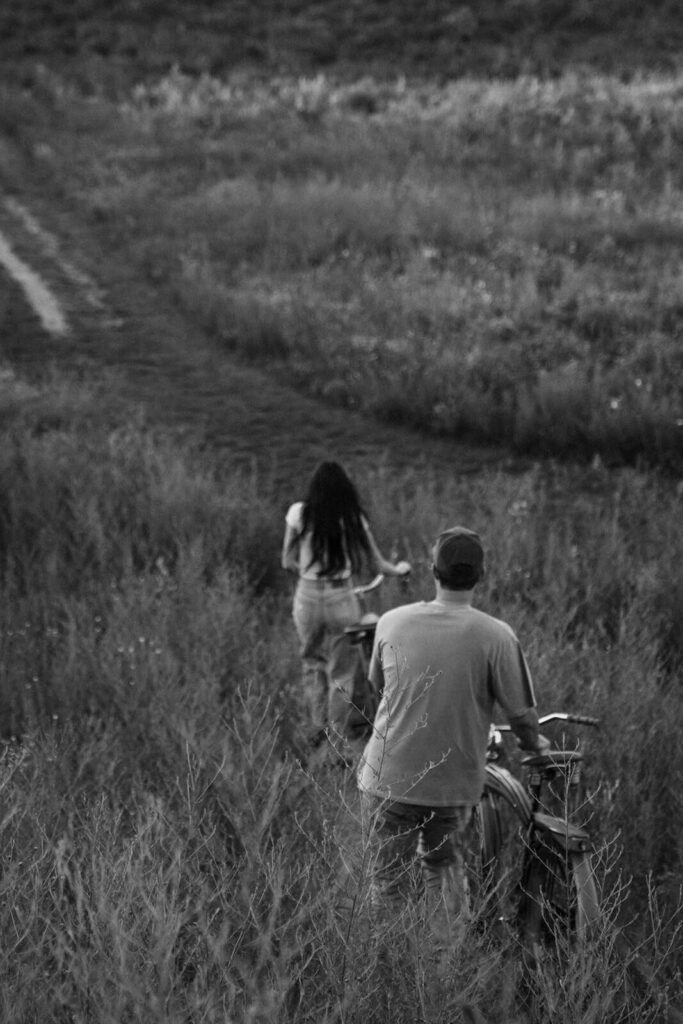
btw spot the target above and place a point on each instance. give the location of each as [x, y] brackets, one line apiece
[334, 515]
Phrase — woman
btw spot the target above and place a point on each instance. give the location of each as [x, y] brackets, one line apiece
[327, 537]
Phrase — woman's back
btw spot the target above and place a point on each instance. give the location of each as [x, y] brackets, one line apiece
[312, 567]
[331, 527]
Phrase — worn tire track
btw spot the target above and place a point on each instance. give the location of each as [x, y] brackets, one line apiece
[169, 367]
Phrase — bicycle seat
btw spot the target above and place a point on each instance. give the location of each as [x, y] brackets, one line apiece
[563, 833]
[552, 759]
[364, 627]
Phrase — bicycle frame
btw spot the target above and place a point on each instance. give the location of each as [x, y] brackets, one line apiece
[361, 634]
[542, 768]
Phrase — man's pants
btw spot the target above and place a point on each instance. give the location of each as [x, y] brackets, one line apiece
[401, 832]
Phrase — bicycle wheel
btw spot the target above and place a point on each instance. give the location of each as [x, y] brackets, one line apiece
[559, 901]
[504, 806]
[490, 830]
[493, 862]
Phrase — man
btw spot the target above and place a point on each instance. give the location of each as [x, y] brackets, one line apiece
[440, 666]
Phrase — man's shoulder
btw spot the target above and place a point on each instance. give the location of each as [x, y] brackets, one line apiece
[406, 615]
[403, 613]
[495, 626]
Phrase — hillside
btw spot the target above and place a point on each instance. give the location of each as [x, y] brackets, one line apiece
[440, 37]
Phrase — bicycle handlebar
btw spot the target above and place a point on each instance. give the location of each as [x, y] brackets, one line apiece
[376, 581]
[559, 716]
[367, 588]
[564, 716]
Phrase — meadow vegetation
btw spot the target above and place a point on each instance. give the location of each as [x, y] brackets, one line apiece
[166, 853]
[491, 259]
[497, 260]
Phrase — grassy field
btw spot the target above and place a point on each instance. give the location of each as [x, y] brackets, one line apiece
[492, 258]
[164, 855]
[497, 261]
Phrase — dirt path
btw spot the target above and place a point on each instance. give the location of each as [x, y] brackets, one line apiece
[40, 298]
[167, 365]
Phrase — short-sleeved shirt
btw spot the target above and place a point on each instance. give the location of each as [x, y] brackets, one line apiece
[442, 668]
[309, 570]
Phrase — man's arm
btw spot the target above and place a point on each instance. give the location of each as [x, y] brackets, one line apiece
[375, 669]
[382, 564]
[525, 728]
[514, 690]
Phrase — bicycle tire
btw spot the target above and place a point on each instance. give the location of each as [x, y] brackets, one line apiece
[490, 830]
[559, 901]
[494, 860]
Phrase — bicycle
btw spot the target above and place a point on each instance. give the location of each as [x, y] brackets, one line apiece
[556, 905]
[556, 895]
[362, 634]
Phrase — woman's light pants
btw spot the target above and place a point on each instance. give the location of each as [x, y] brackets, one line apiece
[321, 612]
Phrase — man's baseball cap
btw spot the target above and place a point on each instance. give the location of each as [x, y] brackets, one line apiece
[456, 549]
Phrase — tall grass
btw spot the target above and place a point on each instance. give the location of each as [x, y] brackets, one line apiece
[167, 855]
[492, 259]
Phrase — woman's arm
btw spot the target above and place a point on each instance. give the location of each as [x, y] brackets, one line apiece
[381, 563]
[290, 550]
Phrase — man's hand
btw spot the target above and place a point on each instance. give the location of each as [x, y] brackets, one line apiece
[525, 728]
[544, 744]
[541, 746]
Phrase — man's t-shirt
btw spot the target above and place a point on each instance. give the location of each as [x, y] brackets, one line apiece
[442, 667]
